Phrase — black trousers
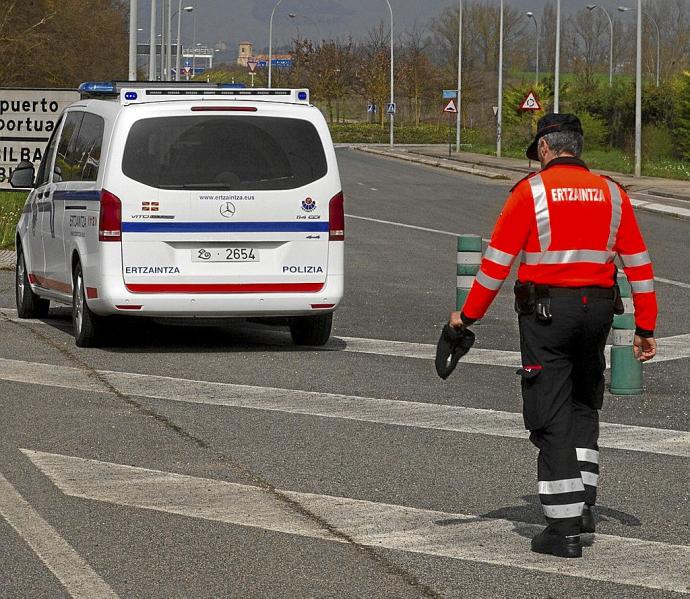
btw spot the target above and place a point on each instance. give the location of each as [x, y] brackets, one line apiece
[563, 390]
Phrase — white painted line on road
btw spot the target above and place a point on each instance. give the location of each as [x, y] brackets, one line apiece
[388, 222]
[329, 405]
[663, 208]
[373, 189]
[425, 351]
[669, 348]
[671, 282]
[619, 560]
[75, 575]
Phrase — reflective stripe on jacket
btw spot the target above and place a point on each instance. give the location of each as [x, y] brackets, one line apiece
[567, 224]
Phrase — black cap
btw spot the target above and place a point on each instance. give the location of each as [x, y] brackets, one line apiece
[552, 123]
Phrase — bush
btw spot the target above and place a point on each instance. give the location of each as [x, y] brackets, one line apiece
[11, 204]
[657, 142]
[595, 130]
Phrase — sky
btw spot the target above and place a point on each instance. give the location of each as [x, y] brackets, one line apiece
[232, 21]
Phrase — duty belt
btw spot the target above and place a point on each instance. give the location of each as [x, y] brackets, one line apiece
[601, 292]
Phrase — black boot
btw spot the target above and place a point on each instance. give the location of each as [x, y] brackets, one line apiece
[587, 524]
[555, 544]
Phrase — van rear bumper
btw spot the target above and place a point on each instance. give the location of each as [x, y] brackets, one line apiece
[115, 298]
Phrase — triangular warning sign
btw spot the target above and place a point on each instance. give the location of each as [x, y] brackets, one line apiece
[450, 107]
[531, 102]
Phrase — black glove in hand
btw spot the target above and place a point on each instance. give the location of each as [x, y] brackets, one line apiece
[453, 345]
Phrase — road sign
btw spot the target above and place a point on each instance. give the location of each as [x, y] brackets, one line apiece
[27, 119]
[371, 108]
[450, 94]
[391, 108]
[251, 65]
[531, 102]
[495, 110]
[451, 107]
[187, 64]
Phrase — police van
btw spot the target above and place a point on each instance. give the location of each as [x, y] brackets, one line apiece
[184, 201]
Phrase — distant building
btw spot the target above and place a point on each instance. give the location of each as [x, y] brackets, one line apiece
[245, 51]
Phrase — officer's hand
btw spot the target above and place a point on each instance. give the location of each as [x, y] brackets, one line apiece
[455, 321]
[644, 348]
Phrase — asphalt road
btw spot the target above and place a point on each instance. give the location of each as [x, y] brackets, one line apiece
[221, 461]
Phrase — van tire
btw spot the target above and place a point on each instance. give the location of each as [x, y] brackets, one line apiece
[88, 327]
[311, 330]
[29, 305]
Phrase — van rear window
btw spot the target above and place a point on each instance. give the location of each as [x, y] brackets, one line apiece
[225, 152]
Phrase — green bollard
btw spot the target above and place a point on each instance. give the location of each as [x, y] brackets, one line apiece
[469, 259]
[626, 371]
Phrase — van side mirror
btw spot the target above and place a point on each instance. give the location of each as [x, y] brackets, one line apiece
[57, 174]
[23, 175]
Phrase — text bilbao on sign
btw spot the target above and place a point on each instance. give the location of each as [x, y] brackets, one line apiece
[28, 118]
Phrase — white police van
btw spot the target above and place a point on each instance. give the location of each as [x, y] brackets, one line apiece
[174, 200]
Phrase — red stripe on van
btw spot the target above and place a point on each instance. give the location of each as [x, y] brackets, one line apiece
[224, 108]
[223, 288]
[47, 283]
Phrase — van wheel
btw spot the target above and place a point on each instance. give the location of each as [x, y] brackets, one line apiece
[29, 305]
[311, 330]
[88, 327]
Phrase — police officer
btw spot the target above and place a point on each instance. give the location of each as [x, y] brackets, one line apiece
[568, 224]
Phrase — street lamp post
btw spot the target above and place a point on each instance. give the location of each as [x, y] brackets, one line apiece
[606, 12]
[658, 39]
[179, 40]
[270, 44]
[638, 94]
[557, 69]
[152, 43]
[536, 25]
[168, 52]
[133, 40]
[392, 102]
[164, 76]
[499, 112]
[458, 116]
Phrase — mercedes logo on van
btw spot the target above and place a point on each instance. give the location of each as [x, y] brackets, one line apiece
[227, 209]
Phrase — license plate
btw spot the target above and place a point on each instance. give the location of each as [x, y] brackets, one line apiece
[232, 254]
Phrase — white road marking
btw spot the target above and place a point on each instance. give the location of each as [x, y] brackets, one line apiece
[329, 405]
[613, 559]
[663, 208]
[75, 575]
[373, 189]
[440, 232]
[672, 282]
[669, 348]
[388, 222]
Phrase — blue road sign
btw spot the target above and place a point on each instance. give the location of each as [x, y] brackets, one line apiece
[391, 108]
[450, 94]
[371, 108]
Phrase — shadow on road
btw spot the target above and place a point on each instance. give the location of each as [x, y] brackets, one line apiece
[139, 335]
[528, 519]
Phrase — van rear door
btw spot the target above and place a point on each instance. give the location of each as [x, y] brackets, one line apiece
[226, 201]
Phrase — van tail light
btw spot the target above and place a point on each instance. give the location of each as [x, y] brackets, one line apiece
[336, 218]
[110, 221]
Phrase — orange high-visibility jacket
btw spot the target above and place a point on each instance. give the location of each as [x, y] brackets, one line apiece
[568, 224]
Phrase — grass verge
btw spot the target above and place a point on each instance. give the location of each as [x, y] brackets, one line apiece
[11, 204]
[475, 141]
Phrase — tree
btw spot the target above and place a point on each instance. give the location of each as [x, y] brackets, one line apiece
[51, 43]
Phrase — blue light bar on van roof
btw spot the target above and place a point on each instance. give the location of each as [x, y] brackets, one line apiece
[136, 92]
[98, 87]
